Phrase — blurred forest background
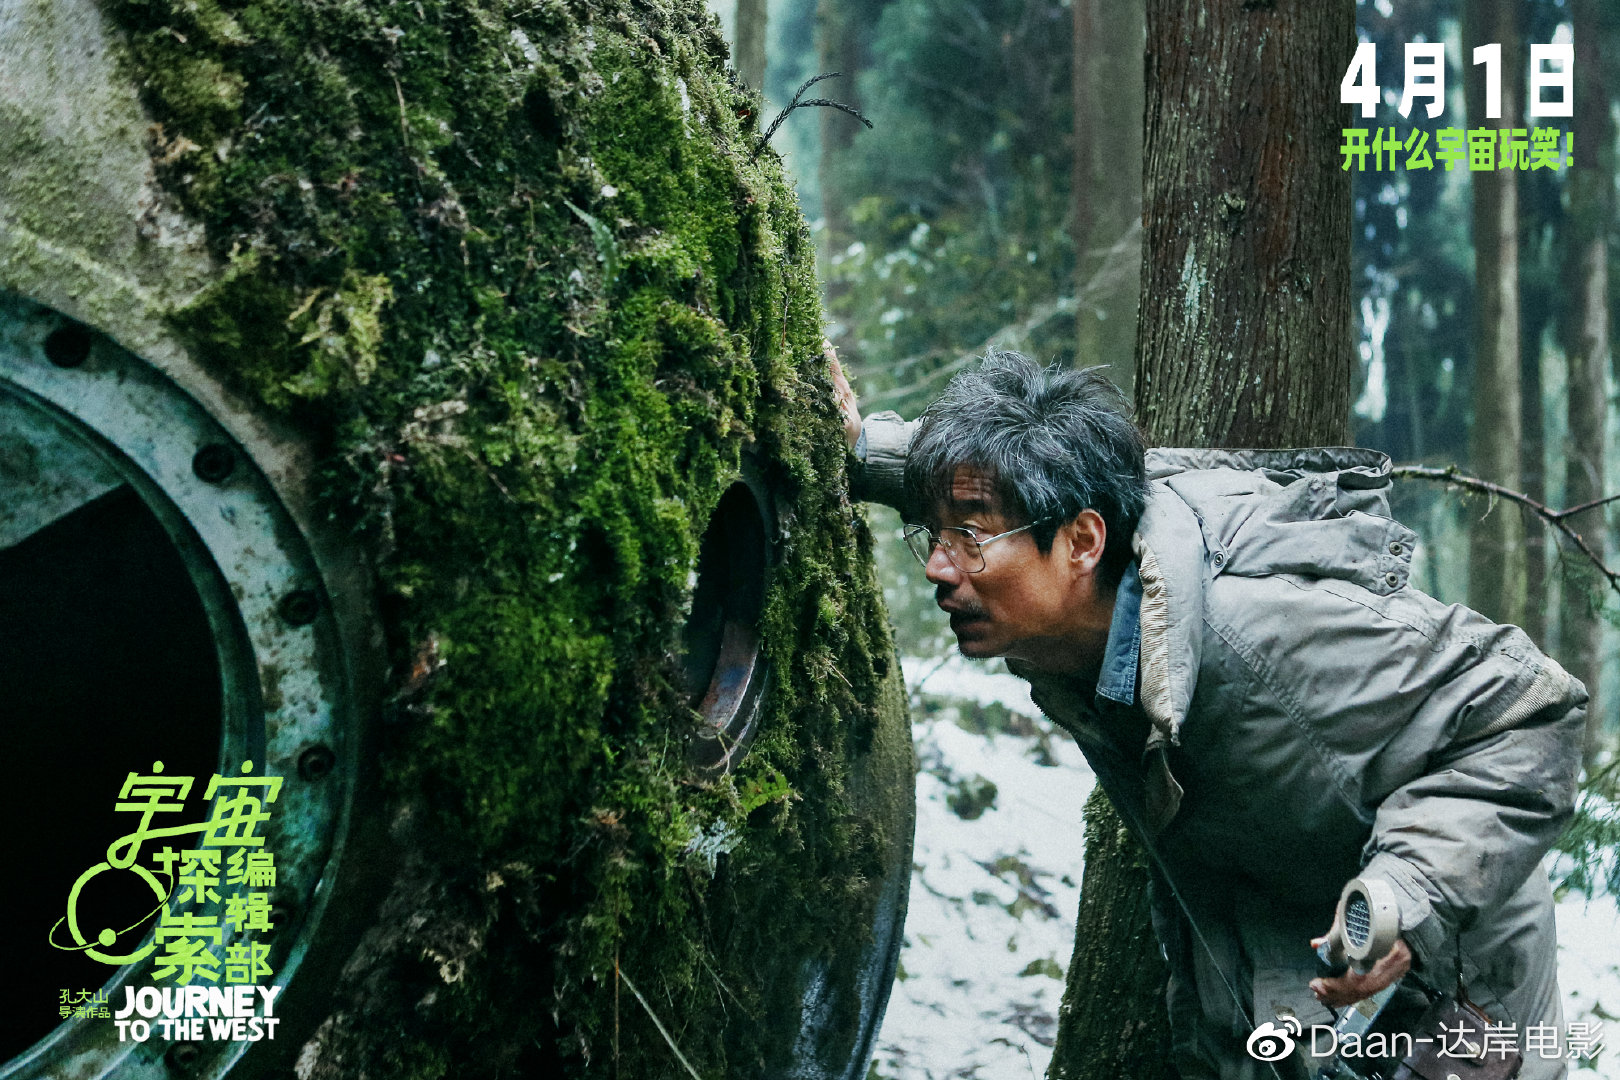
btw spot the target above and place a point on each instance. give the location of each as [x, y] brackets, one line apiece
[996, 201]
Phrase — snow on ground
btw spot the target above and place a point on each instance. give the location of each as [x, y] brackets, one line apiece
[1589, 974]
[994, 894]
[993, 899]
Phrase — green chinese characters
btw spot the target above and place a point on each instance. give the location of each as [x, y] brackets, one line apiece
[196, 922]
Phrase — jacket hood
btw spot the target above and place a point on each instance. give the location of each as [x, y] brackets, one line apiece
[1317, 512]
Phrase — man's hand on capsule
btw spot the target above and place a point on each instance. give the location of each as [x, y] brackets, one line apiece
[1340, 990]
[843, 394]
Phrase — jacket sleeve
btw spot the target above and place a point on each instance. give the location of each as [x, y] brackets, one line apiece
[880, 459]
[1457, 840]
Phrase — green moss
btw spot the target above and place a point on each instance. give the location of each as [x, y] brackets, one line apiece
[517, 270]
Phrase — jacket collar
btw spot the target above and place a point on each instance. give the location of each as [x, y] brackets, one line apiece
[1172, 574]
[1116, 681]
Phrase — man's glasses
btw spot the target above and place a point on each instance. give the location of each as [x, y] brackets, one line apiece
[962, 547]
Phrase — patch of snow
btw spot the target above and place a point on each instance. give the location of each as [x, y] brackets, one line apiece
[1589, 975]
[993, 900]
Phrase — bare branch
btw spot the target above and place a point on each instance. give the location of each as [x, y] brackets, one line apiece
[1582, 507]
[797, 104]
[1558, 519]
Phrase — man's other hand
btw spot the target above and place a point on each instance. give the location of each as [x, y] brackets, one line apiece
[1347, 989]
[844, 394]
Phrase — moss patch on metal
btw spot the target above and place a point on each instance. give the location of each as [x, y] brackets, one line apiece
[516, 268]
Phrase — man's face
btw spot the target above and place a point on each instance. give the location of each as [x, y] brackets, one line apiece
[1022, 603]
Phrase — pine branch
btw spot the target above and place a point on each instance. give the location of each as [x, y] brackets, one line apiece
[1558, 519]
[796, 103]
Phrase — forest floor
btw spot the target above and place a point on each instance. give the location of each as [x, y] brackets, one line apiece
[996, 884]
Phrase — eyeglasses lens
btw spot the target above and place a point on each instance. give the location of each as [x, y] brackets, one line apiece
[961, 547]
[920, 541]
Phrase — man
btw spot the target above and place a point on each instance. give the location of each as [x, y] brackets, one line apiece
[1231, 638]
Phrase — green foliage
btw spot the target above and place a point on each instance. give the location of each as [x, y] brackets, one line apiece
[514, 267]
[958, 206]
[1591, 844]
[1044, 966]
[970, 797]
[762, 790]
[927, 291]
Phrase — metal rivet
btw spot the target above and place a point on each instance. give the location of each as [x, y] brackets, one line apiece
[68, 346]
[316, 763]
[1220, 560]
[300, 607]
[213, 463]
[183, 1056]
[1392, 578]
[1395, 548]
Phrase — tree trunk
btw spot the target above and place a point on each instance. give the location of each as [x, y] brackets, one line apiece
[1107, 183]
[1496, 583]
[1085, 137]
[841, 26]
[838, 25]
[750, 44]
[1245, 333]
[1115, 954]
[1532, 470]
[1586, 344]
[1541, 225]
[1244, 340]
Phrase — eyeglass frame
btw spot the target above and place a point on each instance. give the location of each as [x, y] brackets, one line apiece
[908, 531]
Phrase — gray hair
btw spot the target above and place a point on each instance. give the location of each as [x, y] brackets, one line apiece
[1056, 441]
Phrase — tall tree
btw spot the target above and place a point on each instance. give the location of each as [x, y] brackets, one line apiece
[1532, 469]
[1244, 340]
[1541, 255]
[1105, 186]
[841, 26]
[1542, 272]
[1496, 582]
[750, 43]
[1585, 332]
[957, 204]
[1082, 77]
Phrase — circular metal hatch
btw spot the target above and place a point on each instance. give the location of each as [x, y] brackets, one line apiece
[161, 606]
[724, 672]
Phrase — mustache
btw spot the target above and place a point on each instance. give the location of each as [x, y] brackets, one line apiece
[969, 610]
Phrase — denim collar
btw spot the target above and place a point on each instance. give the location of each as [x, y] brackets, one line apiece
[1116, 681]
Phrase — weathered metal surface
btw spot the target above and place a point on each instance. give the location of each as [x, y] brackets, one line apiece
[115, 420]
[724, 624]
[89, 239]
[44, 475]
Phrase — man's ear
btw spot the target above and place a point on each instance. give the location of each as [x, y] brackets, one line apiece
[1087, 535]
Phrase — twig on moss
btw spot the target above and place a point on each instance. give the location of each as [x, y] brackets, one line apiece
[725, 990]
[1558, 519]
[659, 1024]
[797, 104]
[404, 129]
